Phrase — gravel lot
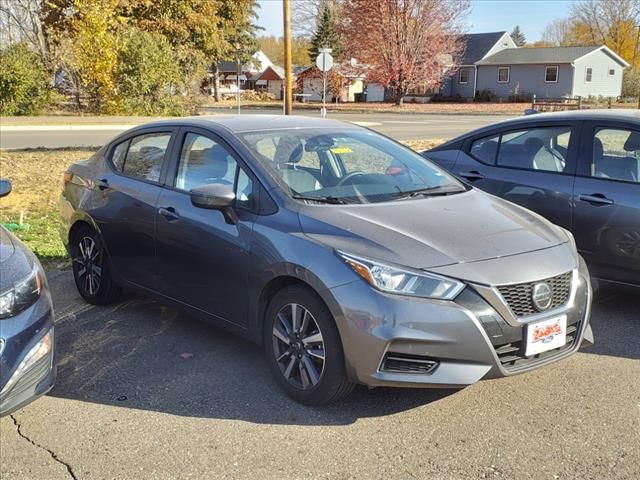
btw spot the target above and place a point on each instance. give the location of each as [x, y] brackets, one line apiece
[146, 392]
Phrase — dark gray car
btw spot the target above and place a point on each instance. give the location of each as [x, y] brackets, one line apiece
[27, 343]
[580, 170]
[348, 256]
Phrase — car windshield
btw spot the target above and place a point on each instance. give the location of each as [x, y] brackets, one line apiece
[347, 166]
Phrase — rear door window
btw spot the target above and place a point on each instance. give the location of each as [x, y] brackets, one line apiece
[616, 154]
[539, 148]
[145, 156]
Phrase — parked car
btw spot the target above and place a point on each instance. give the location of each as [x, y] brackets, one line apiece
[580, 170]
[347, 255]
[27, 343]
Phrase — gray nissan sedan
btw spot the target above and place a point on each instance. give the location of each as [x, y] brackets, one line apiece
[351, 258]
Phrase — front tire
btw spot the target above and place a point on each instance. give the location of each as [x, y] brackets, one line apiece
[92, 269]
[303, 348]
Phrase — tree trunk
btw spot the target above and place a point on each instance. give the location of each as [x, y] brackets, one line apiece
[216, 82]
[399, 99]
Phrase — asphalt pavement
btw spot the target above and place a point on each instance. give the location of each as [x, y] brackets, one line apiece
[146, 392]
[409, 126]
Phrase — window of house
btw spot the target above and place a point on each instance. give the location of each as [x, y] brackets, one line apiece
[145, 156]
[588, 75]
[616, 154]
[204, 161]
[503, 74]
[551, 74]
[612, 72]
[463, 76]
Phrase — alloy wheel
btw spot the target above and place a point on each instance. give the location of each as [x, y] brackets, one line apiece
[298, 346]
[89, 265]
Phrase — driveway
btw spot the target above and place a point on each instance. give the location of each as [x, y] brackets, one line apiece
[146, 392]
[410, 126]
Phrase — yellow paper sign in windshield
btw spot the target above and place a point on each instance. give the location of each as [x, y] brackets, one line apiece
[340, 150]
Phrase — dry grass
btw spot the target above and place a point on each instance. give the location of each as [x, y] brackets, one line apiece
[36, 176]
[31, 210]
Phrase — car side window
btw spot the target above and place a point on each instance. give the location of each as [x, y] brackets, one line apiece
[540, 148]
[145, 156]
[203, 161]
[485, 149]
[119, 154]
[616, 154]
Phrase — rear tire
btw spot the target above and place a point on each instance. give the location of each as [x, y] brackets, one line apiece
[303, 348]
[92, 268]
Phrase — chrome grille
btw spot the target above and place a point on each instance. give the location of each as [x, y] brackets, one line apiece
[518, 296]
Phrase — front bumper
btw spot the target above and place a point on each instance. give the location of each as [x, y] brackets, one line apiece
[20, 334]
[466, 338]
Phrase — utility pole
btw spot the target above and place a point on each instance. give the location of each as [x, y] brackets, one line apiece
[288, 83]
[238, 75]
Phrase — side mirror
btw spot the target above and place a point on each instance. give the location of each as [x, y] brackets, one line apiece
[5, 187]
[216, 197]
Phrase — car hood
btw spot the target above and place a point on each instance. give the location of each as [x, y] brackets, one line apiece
[433, 231]
[7, 247]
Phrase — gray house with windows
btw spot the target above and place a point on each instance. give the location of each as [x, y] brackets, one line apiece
[493, 62]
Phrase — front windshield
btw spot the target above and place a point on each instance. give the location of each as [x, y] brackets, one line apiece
[348, 166]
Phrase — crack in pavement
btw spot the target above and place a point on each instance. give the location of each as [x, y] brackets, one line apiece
[54, 456]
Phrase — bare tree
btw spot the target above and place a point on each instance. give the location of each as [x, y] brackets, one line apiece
[304, 15]
[559, 33]
[20, 22]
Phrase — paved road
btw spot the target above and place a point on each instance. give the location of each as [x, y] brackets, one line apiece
[399, 126]
[145, 392]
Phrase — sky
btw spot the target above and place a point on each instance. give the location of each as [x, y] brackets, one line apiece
[485, 16]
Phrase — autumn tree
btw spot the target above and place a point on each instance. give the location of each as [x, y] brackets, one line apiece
[273, 47]
[407, 43]
[325, 35]
[518, 37]
[613, 23]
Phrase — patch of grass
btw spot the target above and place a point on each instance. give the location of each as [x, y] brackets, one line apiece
[36, 177]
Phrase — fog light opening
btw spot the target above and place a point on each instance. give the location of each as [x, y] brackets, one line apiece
[407, 363]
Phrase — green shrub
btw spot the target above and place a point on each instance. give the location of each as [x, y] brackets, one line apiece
[631, 83]
[24, 82]
[149, 78]
[486, 95]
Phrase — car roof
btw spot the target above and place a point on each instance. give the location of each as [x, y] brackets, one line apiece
[249, 123]
[630, 115]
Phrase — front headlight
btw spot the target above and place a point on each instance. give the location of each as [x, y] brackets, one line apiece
[403, 281]
[23, 294]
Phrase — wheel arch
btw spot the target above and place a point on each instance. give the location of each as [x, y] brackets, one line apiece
[284, 277]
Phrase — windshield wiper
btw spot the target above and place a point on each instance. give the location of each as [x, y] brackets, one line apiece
[325, 199]
[427, 192]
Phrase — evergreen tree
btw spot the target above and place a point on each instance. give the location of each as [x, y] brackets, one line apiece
[326, 35]
[518, 37]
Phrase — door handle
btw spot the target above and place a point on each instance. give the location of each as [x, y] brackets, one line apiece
[596, 199]
[102, 184]
[472, 176]
[169, 213]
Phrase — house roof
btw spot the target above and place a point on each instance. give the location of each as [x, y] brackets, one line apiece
[477, 46]
[537, 55]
